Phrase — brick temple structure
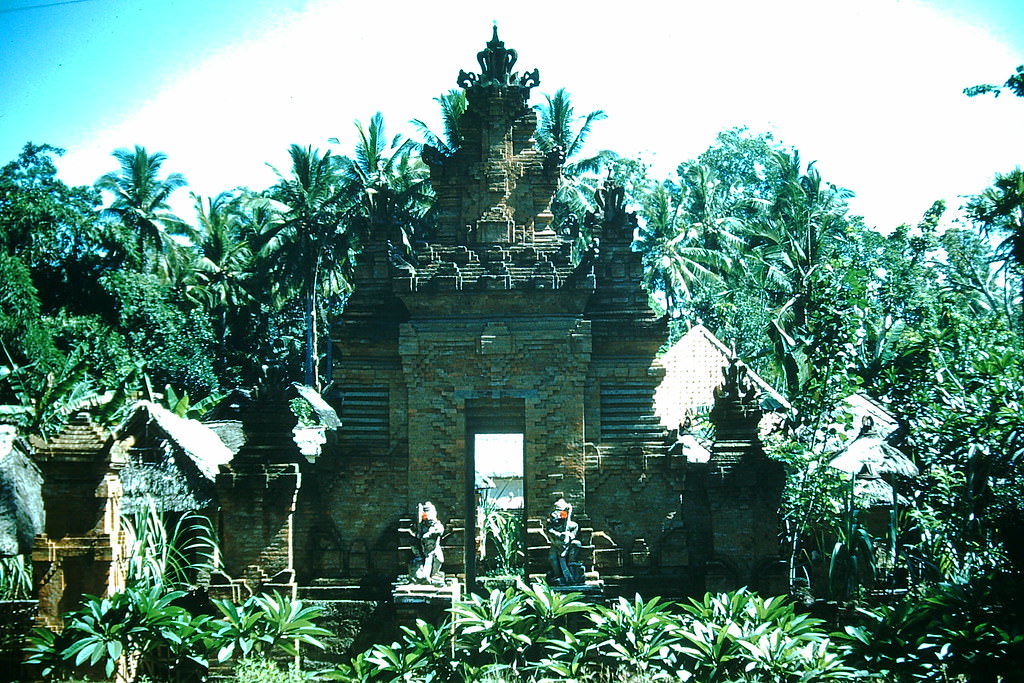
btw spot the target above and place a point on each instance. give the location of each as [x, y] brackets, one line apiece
[498, 323]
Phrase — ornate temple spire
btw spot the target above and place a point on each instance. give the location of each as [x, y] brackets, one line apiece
[736, 415]
[496, 62]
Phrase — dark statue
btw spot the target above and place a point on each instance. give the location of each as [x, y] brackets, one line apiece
[561, 532]
[612, 218]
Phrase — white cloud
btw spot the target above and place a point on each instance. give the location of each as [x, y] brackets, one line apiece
[871, 90]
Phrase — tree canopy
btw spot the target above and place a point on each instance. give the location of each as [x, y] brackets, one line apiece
[104, 291]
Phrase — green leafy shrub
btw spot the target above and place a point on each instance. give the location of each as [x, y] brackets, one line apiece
[15, 578]
[522, 634]
[264, 625]
[132, 624]
[737, 634]
[969, 630]
[161, 640]
[491, 631]
[501, 531]
[256, 670]
[171, 555]
[425, 652]
[638, 637]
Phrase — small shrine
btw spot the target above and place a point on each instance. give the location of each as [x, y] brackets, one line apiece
[80, 550]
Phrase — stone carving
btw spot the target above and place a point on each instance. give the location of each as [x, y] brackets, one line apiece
[432, 156]
[426, 564]
[611, 197]
[735, 383]
[496, 62]
[561, 532]
[736, 414]
[612, 219]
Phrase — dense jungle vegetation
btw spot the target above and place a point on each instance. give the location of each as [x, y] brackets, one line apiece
[106, 294]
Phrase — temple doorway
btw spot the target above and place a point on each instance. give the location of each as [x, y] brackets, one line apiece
[500, 504]
[496, 489]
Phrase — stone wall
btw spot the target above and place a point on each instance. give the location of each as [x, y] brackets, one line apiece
[462, 364]
[257, 504]
[80, 551]
[346, 519]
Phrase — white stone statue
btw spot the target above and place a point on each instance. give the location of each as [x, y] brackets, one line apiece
[428, 554]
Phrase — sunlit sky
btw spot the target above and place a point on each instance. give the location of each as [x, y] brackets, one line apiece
[871, 89]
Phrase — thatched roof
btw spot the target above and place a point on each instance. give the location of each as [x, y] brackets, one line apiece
[194, 439]
[326, 415]
[230, 433]
[692, 449]
[869, 451]
[848, 419]
[873, 491]
[21, 495]
[170, 458]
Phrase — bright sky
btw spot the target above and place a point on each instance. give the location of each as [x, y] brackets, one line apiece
[871, 89]
[499, 454]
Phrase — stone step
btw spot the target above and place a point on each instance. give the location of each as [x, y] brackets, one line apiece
[331, 592]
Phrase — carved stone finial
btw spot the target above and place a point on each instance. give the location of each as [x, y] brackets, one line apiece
[736, 413]
[611, 197]
[611, 220]
[496, 62]
[735, 383]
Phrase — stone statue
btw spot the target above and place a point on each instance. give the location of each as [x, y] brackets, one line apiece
[426, 567]
[561, 532]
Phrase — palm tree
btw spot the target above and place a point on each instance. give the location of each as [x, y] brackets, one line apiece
[560, 129]
[386, 184]
[453, 105]
[307, 250]
[563, 134]
[685, 230]
[709, 209]
[999, 210]
[140, 201]
[785, 245]
[966, 268]
[222, 267]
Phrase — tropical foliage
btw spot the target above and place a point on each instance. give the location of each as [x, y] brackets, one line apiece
[759, 246]
[154, 630]
[106, 293]
[531, 633]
